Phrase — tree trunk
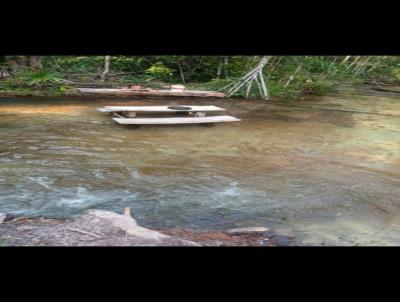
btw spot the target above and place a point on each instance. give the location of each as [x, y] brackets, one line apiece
[256, 74]
[226, 62]
[377, 63]
[219, 70]
[362, 65]
[35, 62]
[275, 62]
[295, 72]
[181, 72]
[345, 59]
[354, 62]
[15, 64]
[106, 68]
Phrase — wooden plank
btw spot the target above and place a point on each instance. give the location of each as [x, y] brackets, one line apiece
[104, 110]
[176, 120]
[149, 92]
[161, 108]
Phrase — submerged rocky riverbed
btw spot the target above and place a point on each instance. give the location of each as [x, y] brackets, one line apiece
[324, 171]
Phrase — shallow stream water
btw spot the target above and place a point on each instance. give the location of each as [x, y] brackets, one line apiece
[326, 170]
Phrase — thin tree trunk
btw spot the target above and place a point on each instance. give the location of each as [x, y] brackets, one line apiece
[259, 86]
[35, 62]
[263, 85]
[16, 63]
[332, 64]
[248, 90]
[294, 73]
[219, 70]
[181, 72]
[251, 76]
[106, 68]
[354, 62]
[226, 62]
[362, 65]
[345, 59]
[377, 63]
[275, 63]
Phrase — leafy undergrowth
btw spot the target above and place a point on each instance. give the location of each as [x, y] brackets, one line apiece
[285, 81]
[277, 89]
[40, 83]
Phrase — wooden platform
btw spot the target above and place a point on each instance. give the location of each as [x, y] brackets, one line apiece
[148, 92]
[158, 109]
[176, 120]
[127, 115]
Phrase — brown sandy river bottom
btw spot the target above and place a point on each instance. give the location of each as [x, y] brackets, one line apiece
[326, 170]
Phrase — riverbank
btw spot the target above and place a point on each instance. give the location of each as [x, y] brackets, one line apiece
[72, 92]
[104, 228]
[290, 77]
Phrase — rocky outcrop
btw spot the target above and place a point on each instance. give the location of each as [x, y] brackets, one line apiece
[94, 228]
[2, 217]
[104, 228]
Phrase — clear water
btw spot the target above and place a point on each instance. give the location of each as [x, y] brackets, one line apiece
[322, 171]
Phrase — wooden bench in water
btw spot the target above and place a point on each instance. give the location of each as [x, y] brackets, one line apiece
[127, 115]
[176, 120]
[158, 109]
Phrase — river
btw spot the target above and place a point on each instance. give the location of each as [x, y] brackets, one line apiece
[326, 169]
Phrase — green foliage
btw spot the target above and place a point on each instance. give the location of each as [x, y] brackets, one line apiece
[38, 83]
[40, 78]
[214, 84]
[287, 77]
[320, 87]
[74, 64]
[160, 71]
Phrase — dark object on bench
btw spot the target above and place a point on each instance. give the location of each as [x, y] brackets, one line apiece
[179, 108]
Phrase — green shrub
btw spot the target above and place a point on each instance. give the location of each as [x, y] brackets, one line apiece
[319, 87]
[160, 71]
[40, 78]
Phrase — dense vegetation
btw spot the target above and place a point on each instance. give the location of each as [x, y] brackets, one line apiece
[285, 76]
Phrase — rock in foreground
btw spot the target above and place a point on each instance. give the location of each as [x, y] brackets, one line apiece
[104, 228]
[94, 228]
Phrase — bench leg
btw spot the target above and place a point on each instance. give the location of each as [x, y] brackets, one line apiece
[197, 114]
[129, 114]
[117, 114]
